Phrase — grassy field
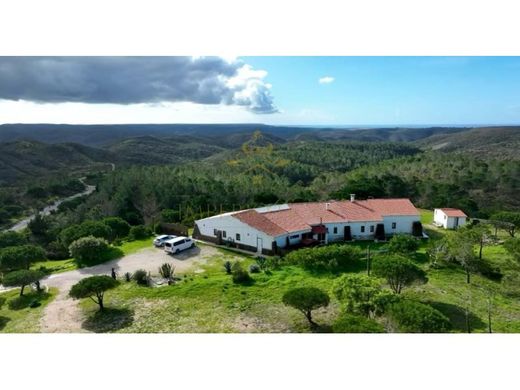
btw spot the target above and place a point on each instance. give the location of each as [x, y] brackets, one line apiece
[57, 266]
[16, 315]
[209, 301]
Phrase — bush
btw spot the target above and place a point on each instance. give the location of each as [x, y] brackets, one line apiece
[57, 251]
[398, 271]
[89, 250]
[139, 232]
[403, 244]
[326, 258]
[119, 227]
[141, 277]
[254, 268]
[12, 239]
[166, 271]
[273, 262]
[128, 276]
[228, 266]
[262, 262]
[239, 275]
[415, 317]
[85, 229]
[349, 323]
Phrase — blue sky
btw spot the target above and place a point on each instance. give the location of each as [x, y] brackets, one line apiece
[397, 90]
[273, 90]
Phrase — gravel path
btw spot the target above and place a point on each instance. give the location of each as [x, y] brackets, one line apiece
[63, 315]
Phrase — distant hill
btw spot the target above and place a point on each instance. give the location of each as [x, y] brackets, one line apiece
[494, 142]
[25, 159]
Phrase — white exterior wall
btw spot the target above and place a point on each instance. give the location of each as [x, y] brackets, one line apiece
[232, 226]
[403, 223]
[440, 218]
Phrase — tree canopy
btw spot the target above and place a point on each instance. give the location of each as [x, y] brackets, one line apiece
[22, 278]
[20, 257]
[398, 271]
[94, 288]
[306, 299]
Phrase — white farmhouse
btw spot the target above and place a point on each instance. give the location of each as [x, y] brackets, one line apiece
[268, 229]
[449, 218]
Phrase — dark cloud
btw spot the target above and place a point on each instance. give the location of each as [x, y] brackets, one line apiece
[126, 80]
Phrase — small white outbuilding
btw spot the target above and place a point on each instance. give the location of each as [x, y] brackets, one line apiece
[449, 218]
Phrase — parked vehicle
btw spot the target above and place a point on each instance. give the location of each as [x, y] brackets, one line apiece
[160, 240]
[178, 244]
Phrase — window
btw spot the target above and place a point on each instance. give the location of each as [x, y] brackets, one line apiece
[224, 233]
[215, 232]
[178, 243]
[371, 228]
[335, 230]
[238, 236]
[362, 229]
[394, 225]
[294, 236]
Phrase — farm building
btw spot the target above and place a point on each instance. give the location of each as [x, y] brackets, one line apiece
[268, 229]
[449, 218]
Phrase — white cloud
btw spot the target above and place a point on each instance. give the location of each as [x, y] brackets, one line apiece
[326, 80]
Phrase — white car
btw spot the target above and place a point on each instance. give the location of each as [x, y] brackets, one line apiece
[160, 240]
[178, 244]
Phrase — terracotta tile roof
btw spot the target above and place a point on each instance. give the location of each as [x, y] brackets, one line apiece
[453, 212]
[302, 216]
[259, 222]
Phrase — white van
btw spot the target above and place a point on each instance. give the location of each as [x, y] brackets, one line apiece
[178, 244]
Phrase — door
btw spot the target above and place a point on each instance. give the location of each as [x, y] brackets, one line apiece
[347, 235]
[259, 245]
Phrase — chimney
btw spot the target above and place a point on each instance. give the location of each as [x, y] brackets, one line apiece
[327, 205]
[352, 197]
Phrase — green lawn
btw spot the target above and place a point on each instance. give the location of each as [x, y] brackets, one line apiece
[426, 216]
[15, 314]
[209, 301]
[57, 266]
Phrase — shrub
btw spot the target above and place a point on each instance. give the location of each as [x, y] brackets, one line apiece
[403, 244]
[141, 277]
[415, 317]
[306, 299]
[239, 275]
[88, 228]
[273, 262]
[349, 323]
[57, 251]
[139, 232]
[88, 250]
[166, 271]
[12, 239]
[262, 262]
[228, 266]
[398, 271]
[93, 287]
[513, 247]
[326, 258]
[128, 276]
[254, 268]
[118, 226]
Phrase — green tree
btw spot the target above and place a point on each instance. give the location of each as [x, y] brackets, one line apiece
[461, 251]
[87, 228]
[306, 299]
[398, 271]
[20, 257]
[403, 244]
[88, 249]
[509, 217]
[139, 232]
[94, 288]
[118, 226]
[361, 294]
[22, 278]
[10, 238]
[415, 317]
[350, 323]
[479, 234]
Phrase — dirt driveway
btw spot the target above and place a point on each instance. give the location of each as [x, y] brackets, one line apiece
[63, 315]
